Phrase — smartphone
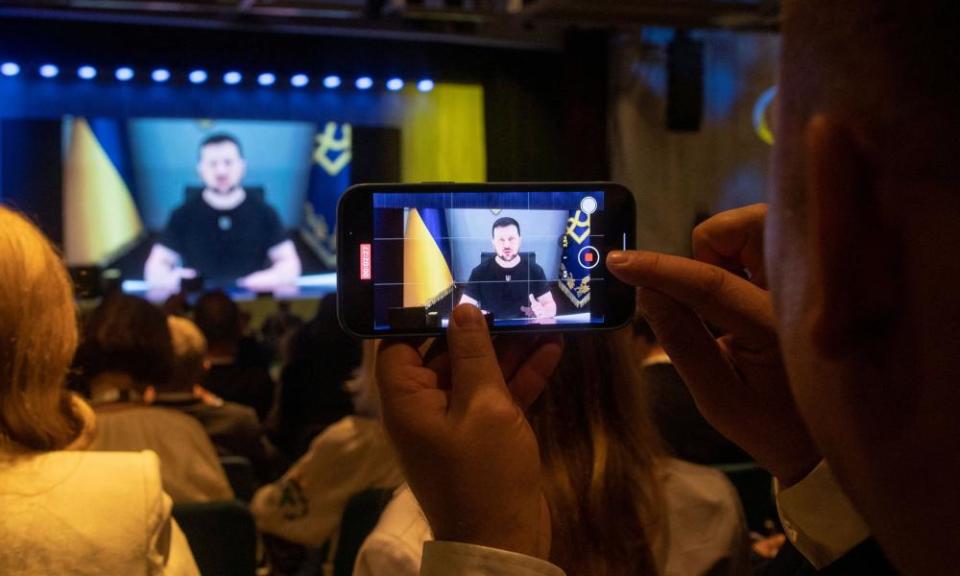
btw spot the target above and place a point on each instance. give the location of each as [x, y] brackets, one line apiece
[529, 255]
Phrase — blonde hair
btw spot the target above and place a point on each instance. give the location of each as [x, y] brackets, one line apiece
[189, 348]
[600, 454]
[38, 336]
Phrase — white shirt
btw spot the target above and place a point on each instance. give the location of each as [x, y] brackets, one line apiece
[305, 506]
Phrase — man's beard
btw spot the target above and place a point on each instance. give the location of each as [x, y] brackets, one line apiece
[510, 259]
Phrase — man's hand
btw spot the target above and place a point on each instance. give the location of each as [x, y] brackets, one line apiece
[458, 426]
[535, 310]
[738, 380]
[162, 271]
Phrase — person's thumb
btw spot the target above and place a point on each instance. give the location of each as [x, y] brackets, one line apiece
[532, 299]
[474, 369]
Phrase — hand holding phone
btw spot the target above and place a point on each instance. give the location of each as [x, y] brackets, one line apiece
[530, 256]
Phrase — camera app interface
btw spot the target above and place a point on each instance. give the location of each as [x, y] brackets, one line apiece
[523, 258]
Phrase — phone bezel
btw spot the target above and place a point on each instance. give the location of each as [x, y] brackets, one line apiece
[355, 227]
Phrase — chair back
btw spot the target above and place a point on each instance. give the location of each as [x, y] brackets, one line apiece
[359, 518]
[194, 192]
[222, 536]
[755, 487]
[240, 474]
[530, 257]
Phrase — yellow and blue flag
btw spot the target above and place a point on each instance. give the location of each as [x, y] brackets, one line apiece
[426, 256]
[100, 217]
[574, 279]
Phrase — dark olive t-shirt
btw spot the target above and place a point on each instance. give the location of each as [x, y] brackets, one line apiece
[504, 290]
[223, 245]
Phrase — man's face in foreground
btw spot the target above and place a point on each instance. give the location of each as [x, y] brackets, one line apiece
[506, 242]
[221, 168]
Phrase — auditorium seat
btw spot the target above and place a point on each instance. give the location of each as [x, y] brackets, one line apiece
[359, 518]
[222, 536]
[240, 474]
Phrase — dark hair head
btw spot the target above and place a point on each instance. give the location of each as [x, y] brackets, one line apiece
[220, 138]
[128, 335]
[218, 317]
[503, 223]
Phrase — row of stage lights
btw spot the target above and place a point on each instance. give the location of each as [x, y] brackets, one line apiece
[231, 78]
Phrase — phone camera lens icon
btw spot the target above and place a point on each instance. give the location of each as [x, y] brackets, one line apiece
[589, 257]
[588, 204]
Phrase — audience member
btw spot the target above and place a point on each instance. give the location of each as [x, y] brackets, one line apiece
[617, 504]
[321, 358]
[126, 349]
[233, 428]
[350, 456]
[65, 510]
[842, 376]
[685, 432]
[238, 369]
[278, 328]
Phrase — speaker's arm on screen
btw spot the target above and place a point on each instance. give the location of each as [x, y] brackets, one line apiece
[162, 269]
[284, 270]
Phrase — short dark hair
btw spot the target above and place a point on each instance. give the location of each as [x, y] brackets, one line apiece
[503, 223]
[220, 138]
[129, 335]
[218, 317]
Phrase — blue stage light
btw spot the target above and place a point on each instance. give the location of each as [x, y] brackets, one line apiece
[266, 79]
[425, 85]
[232, 77]
[124, 73]
[49, 71]
[197, 76]
[160, 75]
[332, 81]
[299, 80]
[364, 83]
[87, 72]
[394, 84]
[9, 69]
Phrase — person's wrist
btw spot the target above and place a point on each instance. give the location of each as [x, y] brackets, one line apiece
[528, 534]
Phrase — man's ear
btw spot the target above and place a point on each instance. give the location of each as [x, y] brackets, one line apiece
[854, 251]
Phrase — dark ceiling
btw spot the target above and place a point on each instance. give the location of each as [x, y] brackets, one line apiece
[530, 23]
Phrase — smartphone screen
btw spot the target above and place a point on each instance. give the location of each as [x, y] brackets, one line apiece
[530, 256]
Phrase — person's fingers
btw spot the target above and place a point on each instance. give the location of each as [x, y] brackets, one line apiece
[534, 373]
[473, 361]
[733, 240]
[717, 296]
[400, 370]
[533, 301]
[701, 362]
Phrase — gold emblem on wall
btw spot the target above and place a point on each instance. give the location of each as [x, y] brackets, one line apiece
[332, 153]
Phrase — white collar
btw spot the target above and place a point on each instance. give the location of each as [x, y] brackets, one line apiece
[227, 201]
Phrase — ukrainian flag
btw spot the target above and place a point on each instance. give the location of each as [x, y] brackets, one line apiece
[426, 270]
[100, 219]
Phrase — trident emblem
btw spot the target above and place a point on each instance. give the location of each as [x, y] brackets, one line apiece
[327, 146]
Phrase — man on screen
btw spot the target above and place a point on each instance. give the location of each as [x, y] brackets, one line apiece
[508, 285]
[223, 234]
